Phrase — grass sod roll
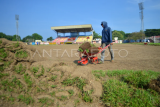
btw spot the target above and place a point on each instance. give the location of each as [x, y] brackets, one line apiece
[90, 48]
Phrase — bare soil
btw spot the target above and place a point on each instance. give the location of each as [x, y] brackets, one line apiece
[126, 56]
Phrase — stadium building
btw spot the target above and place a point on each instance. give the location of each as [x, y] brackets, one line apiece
[74, 36]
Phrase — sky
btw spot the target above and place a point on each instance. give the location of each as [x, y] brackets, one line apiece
[38, 16]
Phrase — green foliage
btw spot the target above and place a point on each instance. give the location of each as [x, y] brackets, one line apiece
[140, 78]
[16, 44]
[53, 93]
[26, 99]
[53, 78]
[71, 92]
[62, 98]
[86, 97]
[87, 50]
[92, 45]
[127, 36]
[136, 35]
[118, 72]
[9, 85]
[117, 34]
[96, 35]
[3, 74]
[99, 73]
[78, 81]
[0, 41]
[19, 69]
[46, 101]
[36, 36]
[54, 86]
[25, 39]
[3, 54]
[117, 93]
[21, 54]
[6, 64]
[80, 50]
[15, 37]
[154, 44]
[27, 79]
[152, 32]
[11, 99]
[50, 39]
[35, 69]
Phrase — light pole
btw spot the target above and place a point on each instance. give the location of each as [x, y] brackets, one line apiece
[141, 17]
[17, 18]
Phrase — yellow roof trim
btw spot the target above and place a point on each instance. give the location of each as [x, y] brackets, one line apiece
[71, 27]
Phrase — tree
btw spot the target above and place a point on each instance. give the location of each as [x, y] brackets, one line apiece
[50, 39]
[96, 35]
[2, 35]
[127, 35]
[136, 35]
[15, 37]
[152, 32]
[27, 38]
[117, 34]
[36, 36]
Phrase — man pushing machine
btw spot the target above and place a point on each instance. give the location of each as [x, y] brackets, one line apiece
[106, 40]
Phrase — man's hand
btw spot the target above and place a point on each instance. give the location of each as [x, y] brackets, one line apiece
[111, 43]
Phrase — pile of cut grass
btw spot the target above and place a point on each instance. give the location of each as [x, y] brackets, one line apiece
[126, 88]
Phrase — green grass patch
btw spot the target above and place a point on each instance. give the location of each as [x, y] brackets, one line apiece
[21, 54]
[20, 69]
[53, 93]
[16, 44]
[155, 44]
[140, 78]
[71, 92]
[42, 72]
[99, 73]
[80, 83]
[26, 99]
[3, 54]
[36, 69]
[3, 74]
[11, 85]
[76, 102]
[7, 98]
[53, 78]
[117, 93]
[46, 101]
[0, 41]
[28, 80]
[118, 72]
[62, 98]
[87, 97]
[53, 86]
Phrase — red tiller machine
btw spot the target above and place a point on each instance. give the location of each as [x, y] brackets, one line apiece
[90, 56]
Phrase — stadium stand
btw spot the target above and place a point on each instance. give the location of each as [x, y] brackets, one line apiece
[82, 39]
[74, 31]
[71, 40]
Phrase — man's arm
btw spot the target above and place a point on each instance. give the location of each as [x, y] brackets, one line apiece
[110, 33]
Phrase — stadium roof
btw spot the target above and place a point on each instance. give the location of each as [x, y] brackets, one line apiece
[73, 28]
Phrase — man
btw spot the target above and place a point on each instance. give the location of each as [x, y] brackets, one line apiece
[106, 40]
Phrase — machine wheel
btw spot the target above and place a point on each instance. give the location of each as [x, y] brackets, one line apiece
[83, 63]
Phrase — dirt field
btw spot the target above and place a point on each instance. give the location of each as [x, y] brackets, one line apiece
[138, 57]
